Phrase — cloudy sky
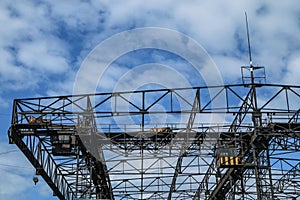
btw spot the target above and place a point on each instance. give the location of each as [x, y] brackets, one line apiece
[44, 43]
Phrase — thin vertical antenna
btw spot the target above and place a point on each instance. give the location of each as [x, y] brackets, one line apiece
[251, 68]
[248, 37]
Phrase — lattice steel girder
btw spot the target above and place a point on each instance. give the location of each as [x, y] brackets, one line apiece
[37, 153]
[218, 99]
[133, 115]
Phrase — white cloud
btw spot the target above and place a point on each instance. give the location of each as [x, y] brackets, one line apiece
[216, 26]
[44, 56]
[293, 70]
[29, 50]
[230, 68]
[219, 27]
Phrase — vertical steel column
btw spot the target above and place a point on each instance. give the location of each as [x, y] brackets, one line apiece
[183, 152]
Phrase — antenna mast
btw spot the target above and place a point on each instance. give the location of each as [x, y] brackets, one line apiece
[251, 78]
[248, 37]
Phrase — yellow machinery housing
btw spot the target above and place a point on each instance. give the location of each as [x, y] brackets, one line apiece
[228, 157]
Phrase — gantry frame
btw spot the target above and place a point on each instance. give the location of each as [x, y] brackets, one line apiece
[131, 161]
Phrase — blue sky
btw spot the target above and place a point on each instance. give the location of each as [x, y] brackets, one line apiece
[43, 44]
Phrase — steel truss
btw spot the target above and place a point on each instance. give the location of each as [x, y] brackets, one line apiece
[166, 143]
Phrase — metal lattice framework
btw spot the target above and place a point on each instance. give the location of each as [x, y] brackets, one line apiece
[216, 142]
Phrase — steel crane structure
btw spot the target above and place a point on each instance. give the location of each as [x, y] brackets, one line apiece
[213, 142]
[216, 142]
